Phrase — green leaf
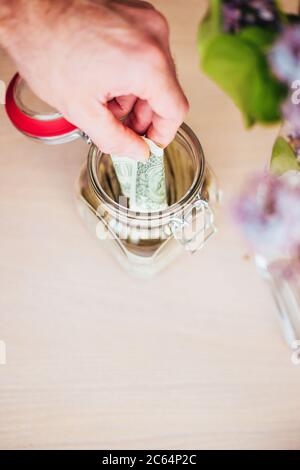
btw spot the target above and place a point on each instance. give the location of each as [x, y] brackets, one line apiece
[257, 36]
[283, 158]
[210, 25]
[240, 68]
[267, 94]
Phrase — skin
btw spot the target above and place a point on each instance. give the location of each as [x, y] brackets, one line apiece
[97, 62]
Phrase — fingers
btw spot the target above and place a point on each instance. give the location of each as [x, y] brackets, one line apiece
[115, 138]
[108, 133]
[170, 109]
[133, 4]
[122, 105]
[168, 103]
[140, 117]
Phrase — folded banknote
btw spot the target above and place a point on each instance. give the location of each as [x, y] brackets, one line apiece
[144, 184]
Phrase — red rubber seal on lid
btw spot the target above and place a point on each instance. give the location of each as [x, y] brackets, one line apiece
[34, 127]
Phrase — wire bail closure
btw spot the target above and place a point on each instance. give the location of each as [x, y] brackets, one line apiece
[195, 227]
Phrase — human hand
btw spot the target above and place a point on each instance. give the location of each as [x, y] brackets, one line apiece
[100, 61]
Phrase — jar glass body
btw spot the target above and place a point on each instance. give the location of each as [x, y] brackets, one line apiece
[145, 243]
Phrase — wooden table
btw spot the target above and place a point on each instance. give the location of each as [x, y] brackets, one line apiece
[192, 359]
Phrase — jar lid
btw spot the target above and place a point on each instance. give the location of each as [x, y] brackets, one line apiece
[34, 117]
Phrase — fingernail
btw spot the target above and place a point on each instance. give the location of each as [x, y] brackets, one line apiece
[141, 153]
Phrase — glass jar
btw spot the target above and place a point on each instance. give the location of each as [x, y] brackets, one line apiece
[143, 243]
[281, 270]
[285, 291]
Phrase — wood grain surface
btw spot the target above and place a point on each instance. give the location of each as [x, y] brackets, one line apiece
[95, 359]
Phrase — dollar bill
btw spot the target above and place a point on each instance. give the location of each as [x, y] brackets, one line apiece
[126, 171]
[143, 183]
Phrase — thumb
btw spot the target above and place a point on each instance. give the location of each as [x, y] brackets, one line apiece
[110, 134]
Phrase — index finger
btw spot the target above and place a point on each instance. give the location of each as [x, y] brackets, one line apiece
[169, 105]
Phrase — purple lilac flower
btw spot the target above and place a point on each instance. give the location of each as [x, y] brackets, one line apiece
[240, 13]
[266, 9]
[285, 55]
[268, 213]
[232, 17]
[291, 116]
[286, 268]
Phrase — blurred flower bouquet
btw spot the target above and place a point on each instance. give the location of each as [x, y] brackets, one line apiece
[251, 49]
[234, 41]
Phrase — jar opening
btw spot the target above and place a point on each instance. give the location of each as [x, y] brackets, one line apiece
[184, 168]
[35, 118]
[31, 104]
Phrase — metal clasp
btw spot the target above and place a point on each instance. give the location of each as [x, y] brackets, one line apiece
[86, 138]
[195, 226]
